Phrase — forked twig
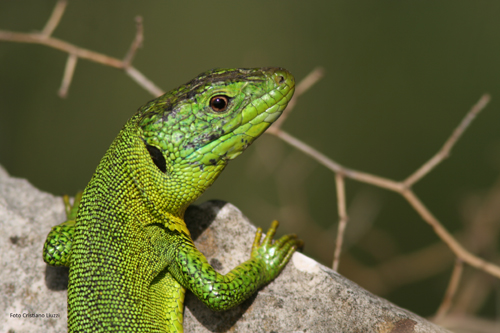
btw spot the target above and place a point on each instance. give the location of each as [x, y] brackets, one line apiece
[334, 166]
[45, 38]
[404, 189]
[136, 43]
[446, 237]
[55, 18]
[444, 152]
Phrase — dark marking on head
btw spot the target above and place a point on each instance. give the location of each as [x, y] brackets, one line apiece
[213, 76]
[191, 94]
[157, 157]
[168, 112]
[167, 107]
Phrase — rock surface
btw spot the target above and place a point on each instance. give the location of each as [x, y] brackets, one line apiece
[306, 297]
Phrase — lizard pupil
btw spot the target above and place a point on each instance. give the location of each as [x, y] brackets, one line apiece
[219, 103]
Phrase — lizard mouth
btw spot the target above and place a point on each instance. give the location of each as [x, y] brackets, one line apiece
[256, 116]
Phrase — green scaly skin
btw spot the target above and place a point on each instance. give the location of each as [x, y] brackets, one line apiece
[129, 253]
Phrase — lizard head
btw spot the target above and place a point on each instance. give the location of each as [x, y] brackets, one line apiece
[216, 116]
[193, 131]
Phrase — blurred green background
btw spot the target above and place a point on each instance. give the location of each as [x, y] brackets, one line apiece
[399, 76]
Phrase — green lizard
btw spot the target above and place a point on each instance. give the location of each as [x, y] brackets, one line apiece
[129, 252]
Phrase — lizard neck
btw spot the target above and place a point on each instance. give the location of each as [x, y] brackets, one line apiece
[165, 194]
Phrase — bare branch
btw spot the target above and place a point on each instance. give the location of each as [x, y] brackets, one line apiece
[475, 290]
[144, 82]
[444, 152]
[35, 38]
[58, 44]
[68, 75]
[309, 81]
[403, 189]
[55, 18]
[136, 43]
[450, 291]
[334, 166]
[446, 237]
[343, 218]
[75, 52]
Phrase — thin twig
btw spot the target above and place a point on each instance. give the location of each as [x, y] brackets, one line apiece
[144, 81]
[474, 292]
[446, 237]
[136, 43]
[36, 38]
[55, 18]
[444, 152]
[44, 38]
[311, 79]
[450, 291]
[481, 233]
[300, 88]
[334, 166]
[343, 218]
[404, 190]
[68, 75]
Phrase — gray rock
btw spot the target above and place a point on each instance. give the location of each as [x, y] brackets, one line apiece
[28, 286]
[306, 297]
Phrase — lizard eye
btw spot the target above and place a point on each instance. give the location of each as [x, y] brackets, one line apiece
[219, 103]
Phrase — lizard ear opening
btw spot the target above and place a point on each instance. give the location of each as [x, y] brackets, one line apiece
[157, 158]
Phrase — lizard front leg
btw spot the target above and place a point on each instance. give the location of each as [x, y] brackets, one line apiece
[57, 246]
[221, 292]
